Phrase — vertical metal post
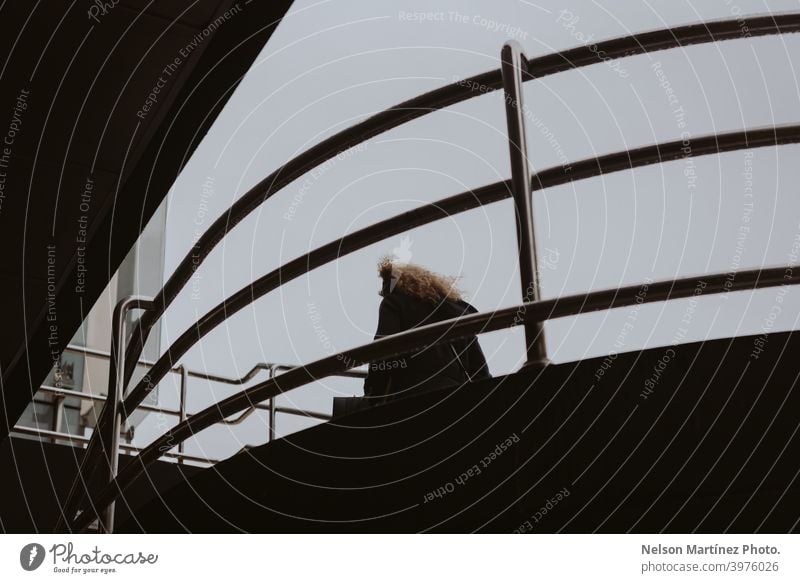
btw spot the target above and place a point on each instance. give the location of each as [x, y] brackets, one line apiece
[105, 440]
[513, 63]
[271, 419]
[58, 413]
[182, 407]
[112, 412]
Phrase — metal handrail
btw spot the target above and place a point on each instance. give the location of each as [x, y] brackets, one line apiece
[59, 391]
[87, 467]
[451, 94]
[248, 376]
[393, 117]
[446, 208]
[43, 434]
[513, 69]
[110, 421]
[96, 353]
[443, 331]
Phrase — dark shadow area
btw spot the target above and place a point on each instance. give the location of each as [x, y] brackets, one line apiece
[102, 111]
[701, 436]
[38, 476]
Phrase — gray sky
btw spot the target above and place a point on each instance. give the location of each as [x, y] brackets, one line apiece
[331, 64]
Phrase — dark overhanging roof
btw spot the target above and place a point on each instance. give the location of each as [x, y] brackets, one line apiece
[100, 108]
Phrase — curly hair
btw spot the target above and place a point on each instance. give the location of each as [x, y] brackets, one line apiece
[418, 281]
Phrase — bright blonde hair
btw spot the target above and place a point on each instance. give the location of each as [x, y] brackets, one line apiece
[419, 281]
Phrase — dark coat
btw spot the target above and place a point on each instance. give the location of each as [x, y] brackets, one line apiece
[432, 367]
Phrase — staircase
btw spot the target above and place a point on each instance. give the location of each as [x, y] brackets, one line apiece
[610, 445]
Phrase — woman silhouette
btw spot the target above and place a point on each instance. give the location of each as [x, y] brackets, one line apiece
[415, 296]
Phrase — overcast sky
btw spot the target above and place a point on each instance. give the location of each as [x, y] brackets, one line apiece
[333, 63]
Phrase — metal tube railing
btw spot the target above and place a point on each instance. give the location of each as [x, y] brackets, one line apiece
[94, 352]
[445, 208]
[443, 331]
[43, 434]
[67, 393]
[584, 169]
[539, 67]
[513, 68]
[271, 423]
[110, 421]
[86, 470]
[448, 95]
[182, 402]
[105, 438]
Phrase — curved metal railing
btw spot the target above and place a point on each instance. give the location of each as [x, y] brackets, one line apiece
[444, 208]
[437, 99]
[456, 92]
[444, 331]
[184, 374]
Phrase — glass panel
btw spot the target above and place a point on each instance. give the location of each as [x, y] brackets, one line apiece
[71, 421]
[68, 374]
[38, 415]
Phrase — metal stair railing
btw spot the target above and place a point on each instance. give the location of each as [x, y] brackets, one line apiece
[444, 331]
[446, 208]
[516, 69]
[270, 408]
[108, 426]
[451, 94]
